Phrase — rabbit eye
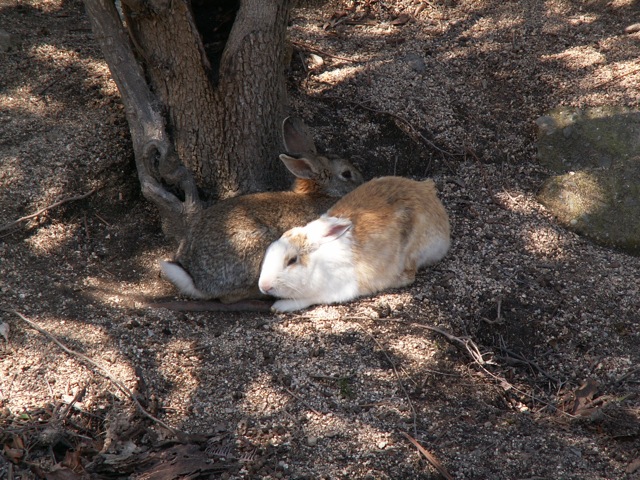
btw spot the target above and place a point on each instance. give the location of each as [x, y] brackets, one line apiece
[346, 174]
[291, 261]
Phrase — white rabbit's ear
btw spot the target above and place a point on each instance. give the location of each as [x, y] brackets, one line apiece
[332, 228]
[301, 167]
[296, 137]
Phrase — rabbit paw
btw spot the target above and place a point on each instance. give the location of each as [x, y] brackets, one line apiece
[288, 305]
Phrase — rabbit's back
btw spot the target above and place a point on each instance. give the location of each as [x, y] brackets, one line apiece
[399, 225]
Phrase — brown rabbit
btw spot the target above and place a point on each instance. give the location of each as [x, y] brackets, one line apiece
[374, 238]
[221, 254]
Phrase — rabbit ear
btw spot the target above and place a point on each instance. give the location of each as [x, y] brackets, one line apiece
[296, 137]
[331, 228]
[301, 167]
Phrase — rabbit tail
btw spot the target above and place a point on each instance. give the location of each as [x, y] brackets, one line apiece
[181, 279]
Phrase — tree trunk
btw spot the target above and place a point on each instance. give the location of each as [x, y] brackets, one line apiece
[203, 87]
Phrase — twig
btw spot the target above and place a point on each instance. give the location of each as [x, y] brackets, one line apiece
[297, 397]
[631, 372]
[213, 306]
[103, 371]
[466, 342]
[474, 352]
[510, 354]
[322, 52]
[67, 408]
[429, 456]
[616, 78]
[406, 122]
[43, 210]
[102, 219]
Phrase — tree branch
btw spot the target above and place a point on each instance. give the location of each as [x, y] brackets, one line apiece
[156, 160]
[10, 225]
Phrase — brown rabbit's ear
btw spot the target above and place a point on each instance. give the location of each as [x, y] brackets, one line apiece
[296, 137]
[301, 167]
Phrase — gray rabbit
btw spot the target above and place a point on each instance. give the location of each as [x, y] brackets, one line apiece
[221, 254]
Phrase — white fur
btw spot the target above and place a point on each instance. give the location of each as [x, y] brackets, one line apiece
[181, 279]
[329, 275]
[434, 252]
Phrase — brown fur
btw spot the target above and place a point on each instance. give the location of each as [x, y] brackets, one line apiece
[391, 216]
[304, 186]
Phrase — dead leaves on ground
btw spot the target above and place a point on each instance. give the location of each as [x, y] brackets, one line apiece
[365, 16]
[127, 448]
[603, 414]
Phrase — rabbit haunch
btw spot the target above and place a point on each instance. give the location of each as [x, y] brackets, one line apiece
[374, 238]
[221, 254]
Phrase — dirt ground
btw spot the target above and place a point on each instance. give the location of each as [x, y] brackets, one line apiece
[517, 357]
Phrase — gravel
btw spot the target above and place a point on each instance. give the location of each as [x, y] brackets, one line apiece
[516, 357]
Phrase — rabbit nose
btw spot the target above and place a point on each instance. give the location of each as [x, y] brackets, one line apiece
[265, 287]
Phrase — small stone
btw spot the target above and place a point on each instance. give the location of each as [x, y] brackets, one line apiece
[416, 62]
[8, 41]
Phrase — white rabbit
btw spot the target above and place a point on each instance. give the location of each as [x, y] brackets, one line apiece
[374, 238]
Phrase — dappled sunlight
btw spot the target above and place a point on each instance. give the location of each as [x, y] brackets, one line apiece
[97, 71]
[14, 99]
[545, 242]
[50, 238]
[9, 173]
[613, 4]
[48, 372]
[414, 348]
[577, 58]
[566, 194]
[263, 398]
[44, 6]
[518, 201]
[613, 71]
[317, 429]
[508, 24]
[341, 74]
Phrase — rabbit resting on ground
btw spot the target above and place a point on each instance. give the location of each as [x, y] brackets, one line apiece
[221, 254]
[374, 238]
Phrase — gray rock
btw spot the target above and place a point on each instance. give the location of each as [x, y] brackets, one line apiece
[8, 41]
[416, 62]
[596, 153]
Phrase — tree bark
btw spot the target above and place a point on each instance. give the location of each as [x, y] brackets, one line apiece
[218, 115]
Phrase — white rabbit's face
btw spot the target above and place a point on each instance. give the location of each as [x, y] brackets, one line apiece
[284, 270]
[295, 267]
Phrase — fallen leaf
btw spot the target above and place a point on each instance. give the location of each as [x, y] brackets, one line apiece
[14, 455]
[401, 19]
[584, 395]
[72, 460]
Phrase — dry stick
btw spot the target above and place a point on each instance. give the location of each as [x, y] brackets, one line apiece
[397, 117]
[103, 371]
[212, 305]
[322, 52]
[476, 356]
[43, 210]
[615, 78]
[429, 456]
[301, 400]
